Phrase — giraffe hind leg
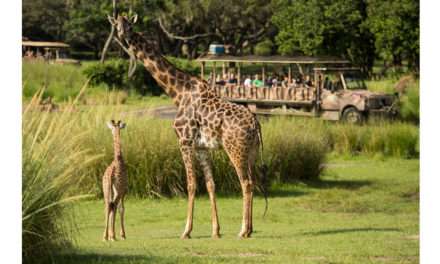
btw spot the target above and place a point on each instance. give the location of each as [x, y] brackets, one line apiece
[239, 158]
[205, 163]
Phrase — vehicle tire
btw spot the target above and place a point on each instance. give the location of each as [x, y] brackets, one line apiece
[352, 116]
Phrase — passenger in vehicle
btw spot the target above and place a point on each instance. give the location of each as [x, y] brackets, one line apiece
[232, 80]
[285, 82]
[268, 82]
[298, 80]
[308, 81]
[275, 81]
[257, 82]
[248, 81]
[219, 80]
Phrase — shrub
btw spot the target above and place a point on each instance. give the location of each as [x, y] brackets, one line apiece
[114, 74]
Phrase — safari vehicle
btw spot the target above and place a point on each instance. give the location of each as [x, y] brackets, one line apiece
[52, 52]
[324, 87]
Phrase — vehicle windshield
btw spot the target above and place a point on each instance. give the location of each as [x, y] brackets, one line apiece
[354, 81]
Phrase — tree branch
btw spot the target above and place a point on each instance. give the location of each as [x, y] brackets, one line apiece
[110, 37]
[173, 36]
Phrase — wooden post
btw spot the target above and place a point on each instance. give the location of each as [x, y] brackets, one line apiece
[239, 80]
[213, 75]
[238, 73]
[263, 73]
[202, 70]
[223, 69]
[290, 75]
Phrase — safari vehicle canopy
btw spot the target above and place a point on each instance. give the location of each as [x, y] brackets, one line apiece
[54, 52]
[324, 87]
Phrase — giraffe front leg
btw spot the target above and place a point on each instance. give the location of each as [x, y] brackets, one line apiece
[107, 214]
[188, 159]
[122, 213]
[205, 163]
[112, 221]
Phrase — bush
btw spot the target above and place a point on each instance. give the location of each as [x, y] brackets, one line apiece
[114, 74]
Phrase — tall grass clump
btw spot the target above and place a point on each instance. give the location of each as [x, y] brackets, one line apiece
[53, 162]
[410, 103]
[155, 166]
[294, 149]
[396, 139]
[61, 82]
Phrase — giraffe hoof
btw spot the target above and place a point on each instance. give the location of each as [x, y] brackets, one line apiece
[243, 235]
[185, 236]
[123, 238]
[112, 239]
[104, 239]
[216, 236]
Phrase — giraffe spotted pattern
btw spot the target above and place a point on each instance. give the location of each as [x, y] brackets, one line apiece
[203, 121]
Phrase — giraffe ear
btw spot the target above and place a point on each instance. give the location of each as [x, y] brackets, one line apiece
[134, 19]
[122, 125]
[111, 19]
[110, 125]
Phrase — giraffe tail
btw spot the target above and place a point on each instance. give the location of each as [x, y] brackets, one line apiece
[263, 171]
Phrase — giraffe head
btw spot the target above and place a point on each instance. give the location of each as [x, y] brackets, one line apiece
[123, 25]
[116, 126]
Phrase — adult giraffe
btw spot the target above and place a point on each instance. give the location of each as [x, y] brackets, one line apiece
[203, 121]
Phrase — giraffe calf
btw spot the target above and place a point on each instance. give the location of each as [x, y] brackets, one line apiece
[115, 185]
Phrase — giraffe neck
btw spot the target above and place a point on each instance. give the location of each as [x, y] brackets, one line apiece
[172, 80]
[117, 147]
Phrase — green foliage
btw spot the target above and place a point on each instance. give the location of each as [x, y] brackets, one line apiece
[155, 166]
[324, 28]
[237, 23]
[410, 103]
[54, 161]
[264, 48]
[395, 25]
[384, 138]
[87, 24]
[61, 82]
[114, 74]
[189, 66]
[44, 19]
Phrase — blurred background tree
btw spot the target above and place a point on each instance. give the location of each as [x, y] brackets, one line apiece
[368, 32]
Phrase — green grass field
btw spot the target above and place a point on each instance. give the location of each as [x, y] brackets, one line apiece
[362, 211]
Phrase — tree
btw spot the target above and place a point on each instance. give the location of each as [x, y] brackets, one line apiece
[324, 27]
[239, 23]
[44, 19]
[88, 26]
[395, 25]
